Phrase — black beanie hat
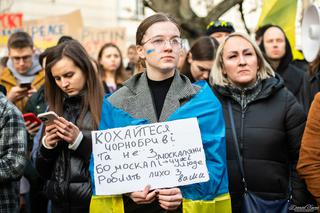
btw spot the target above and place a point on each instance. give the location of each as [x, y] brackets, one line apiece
[219, 26]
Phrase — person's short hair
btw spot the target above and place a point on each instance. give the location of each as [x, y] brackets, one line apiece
[216, 75]
[219, 26]
[20, 40]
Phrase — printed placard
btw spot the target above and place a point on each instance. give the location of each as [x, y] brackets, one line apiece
[161, 155]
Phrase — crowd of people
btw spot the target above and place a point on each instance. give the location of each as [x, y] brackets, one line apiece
[257, 111]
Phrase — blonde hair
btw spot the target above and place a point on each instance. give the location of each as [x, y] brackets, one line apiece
[216, 75]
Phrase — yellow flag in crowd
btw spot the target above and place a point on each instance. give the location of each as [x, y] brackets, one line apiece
[282, 13]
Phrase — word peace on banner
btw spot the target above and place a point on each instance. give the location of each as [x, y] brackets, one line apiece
[161, 155]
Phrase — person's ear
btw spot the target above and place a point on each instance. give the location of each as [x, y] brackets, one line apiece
[189, 58]
[140, 52]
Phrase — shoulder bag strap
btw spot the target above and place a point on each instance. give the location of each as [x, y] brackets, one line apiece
[236, 146]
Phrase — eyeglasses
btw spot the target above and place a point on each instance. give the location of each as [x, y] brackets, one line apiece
[17, 59]
[159, 42]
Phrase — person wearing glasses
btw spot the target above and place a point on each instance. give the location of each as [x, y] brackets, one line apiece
[23, 74]
[219, 29]
[161, 93]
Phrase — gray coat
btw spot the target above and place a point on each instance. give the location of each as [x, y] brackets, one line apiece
[135, 97]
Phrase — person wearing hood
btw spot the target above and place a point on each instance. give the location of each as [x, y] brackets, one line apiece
[268, 123]
[21, 78]
[277, 50]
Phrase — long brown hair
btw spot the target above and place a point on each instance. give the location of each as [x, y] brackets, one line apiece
[93, 88]
[119, 78]
[146, 23]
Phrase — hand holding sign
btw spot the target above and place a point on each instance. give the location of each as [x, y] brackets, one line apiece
[163, 155]
[144, 197]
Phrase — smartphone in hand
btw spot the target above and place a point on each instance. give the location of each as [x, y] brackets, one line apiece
[48, 117]
[32, 118]
[25, 85]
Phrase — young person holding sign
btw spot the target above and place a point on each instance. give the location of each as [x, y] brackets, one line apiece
[74, 92]
[161, 94]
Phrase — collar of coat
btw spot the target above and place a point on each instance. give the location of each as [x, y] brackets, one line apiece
[140, 104]
[7, 78]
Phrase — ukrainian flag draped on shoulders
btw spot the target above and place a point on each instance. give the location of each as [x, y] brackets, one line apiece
[211, 196]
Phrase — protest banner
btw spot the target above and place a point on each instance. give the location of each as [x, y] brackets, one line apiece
[94, 38]
[9, 23]
[46, 31]
[162, 155]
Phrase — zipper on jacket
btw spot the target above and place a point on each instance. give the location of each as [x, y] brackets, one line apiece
[243, 111]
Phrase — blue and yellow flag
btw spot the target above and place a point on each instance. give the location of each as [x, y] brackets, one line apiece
[282, 13]
[211, 196]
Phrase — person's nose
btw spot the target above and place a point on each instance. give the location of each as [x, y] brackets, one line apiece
[242, 60]
[167, 45]
[275, 44]
[21, 61]
[205, 75]
[64, 83]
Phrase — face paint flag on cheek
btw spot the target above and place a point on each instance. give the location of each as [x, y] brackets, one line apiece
[149, 51]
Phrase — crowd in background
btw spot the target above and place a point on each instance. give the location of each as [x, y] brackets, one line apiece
[268, 106]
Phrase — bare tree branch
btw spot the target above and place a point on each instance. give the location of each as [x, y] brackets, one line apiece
[192, 25]
[220, 9]
[243, 19]
[166, 6]
[148, 3]
[185, 10]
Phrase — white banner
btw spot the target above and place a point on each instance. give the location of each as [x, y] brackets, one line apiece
[161, 155]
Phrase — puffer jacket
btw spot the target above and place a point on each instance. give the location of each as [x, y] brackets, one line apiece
[269, 127]
[68, 183]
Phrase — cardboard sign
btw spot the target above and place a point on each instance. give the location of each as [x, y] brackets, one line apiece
[9, 23]
[161, 155]
[47, 31]
[93, 39]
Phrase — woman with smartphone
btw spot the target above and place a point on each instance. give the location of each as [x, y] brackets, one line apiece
[63, 157]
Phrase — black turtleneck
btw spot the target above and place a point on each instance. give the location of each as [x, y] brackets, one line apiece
[159, 90]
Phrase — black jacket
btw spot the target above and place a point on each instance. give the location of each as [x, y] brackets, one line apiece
[298, 83]
[66, 171]
[36, 102]
[269, 129]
